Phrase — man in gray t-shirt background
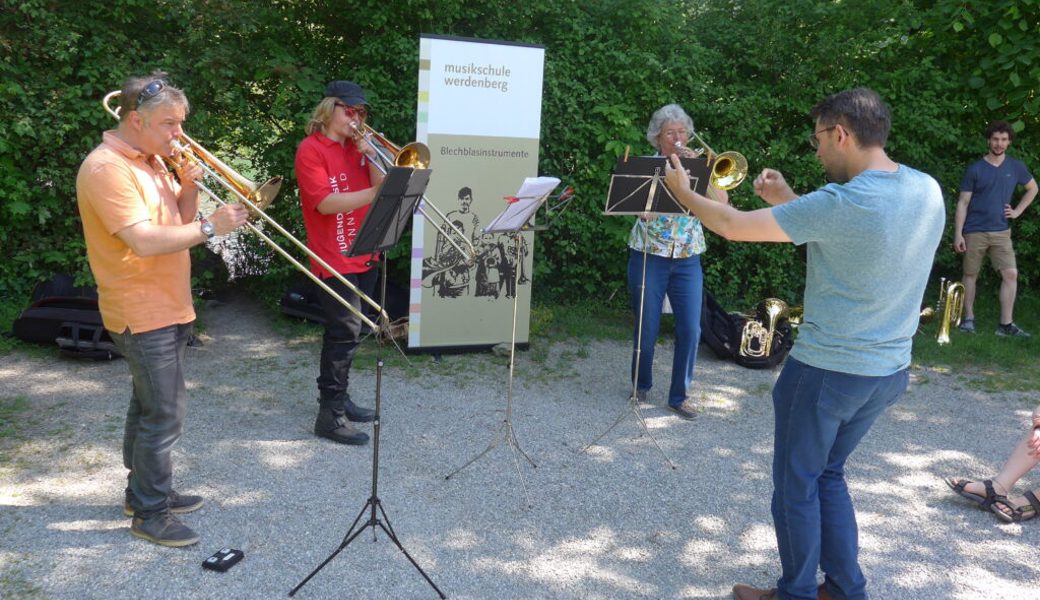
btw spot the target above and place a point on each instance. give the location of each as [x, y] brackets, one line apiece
[981, 226]
[870, 238]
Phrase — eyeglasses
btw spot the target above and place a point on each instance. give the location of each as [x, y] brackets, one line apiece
[151, 91]
[814, 139]
[353, 111]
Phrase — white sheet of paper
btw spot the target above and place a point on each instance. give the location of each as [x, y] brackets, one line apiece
[532, 193]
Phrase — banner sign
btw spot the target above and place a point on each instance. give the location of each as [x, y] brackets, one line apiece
[480, 106]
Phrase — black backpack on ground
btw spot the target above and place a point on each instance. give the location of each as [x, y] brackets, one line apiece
[64, 314]
[717, 328]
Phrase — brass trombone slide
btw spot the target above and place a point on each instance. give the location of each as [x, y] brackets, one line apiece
[417, 156]
[256, 198]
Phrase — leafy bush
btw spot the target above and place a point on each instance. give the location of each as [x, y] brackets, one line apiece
[748, 71]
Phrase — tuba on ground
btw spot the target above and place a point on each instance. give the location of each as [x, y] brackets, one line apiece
[949, 307]
[757, 339]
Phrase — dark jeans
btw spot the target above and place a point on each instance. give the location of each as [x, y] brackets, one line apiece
[341, 338]
[821, 416]
[682, 280]
[155, 419]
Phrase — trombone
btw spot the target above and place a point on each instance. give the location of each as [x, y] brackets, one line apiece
[728, 170]
[417, 156]
[256, 198]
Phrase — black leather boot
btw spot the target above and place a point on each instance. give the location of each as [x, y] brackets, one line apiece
[332, 424]
[357, 413]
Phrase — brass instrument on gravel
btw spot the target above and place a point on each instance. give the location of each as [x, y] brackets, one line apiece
[757, 339]
[256, 198]
[415, 155]
[949, 307]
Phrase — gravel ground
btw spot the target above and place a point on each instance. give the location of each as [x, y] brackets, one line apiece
[614, 522]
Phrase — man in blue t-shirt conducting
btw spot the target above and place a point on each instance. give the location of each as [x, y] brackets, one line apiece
[981, 225]
[870, 238]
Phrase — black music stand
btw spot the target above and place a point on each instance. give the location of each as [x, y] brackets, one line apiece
[637, 187]
[386, 220]
[515, 220]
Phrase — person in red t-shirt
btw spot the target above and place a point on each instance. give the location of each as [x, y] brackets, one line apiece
[338, 182]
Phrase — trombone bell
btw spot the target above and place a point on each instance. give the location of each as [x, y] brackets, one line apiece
[729, 171]
[415, 155]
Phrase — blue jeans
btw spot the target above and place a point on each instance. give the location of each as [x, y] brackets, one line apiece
[821, 416]
[682, 280]
[155, 419]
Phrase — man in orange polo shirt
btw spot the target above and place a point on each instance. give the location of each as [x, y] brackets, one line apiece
[139, 222]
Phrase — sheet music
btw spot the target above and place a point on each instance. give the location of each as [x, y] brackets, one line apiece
[532, 193]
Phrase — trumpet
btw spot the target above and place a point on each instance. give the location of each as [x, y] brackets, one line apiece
[415, 155]
[256, 198]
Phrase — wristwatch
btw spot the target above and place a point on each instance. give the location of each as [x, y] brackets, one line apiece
[207, 228]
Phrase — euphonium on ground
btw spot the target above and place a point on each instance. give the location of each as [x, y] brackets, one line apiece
[757, 339]
[949, 307]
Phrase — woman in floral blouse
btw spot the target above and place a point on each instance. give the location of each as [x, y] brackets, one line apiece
[673, 246]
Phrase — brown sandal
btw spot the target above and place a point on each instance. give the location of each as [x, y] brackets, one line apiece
[983, 502]
[1017, 514]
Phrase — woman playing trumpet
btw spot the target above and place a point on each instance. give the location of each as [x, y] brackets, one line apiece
[673, 245]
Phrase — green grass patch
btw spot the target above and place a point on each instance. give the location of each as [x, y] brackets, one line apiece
[12, 409]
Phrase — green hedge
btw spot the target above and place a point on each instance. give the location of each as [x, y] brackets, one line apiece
[747, 71]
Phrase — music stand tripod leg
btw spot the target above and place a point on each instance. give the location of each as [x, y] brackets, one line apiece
[633, 400]
[506, 431]
[373, 503]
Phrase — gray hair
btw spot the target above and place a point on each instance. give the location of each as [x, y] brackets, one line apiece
[133, 87]
[669, 112]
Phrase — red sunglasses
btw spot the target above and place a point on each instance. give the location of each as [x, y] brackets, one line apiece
[353, 111]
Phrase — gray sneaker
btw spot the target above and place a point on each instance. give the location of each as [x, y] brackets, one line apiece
[684, 411]
[177, 503]
[1011, 330]
[643, 396]
[164, 529]
[967, 326]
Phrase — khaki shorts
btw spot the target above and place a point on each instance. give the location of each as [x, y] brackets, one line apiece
[995, 244]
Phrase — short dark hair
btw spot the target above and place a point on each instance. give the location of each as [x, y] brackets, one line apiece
[1000, 127]
[463, 192]
[861, 111]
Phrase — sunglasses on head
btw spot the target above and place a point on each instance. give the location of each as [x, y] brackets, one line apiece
[151, 91]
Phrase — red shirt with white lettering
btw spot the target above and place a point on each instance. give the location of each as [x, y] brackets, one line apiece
[324, 167]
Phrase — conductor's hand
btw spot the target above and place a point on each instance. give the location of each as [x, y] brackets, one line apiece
[771, 186]
[228, 218]
[675, 176]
